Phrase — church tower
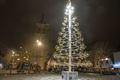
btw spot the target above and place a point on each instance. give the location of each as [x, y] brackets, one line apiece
[41, 54]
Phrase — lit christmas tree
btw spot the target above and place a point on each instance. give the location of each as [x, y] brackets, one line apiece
[70, 49]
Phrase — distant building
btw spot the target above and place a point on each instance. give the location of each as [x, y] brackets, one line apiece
[116, 56]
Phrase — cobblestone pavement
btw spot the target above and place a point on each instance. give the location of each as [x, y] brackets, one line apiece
[57, 77]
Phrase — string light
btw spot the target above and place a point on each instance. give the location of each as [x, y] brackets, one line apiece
[70, 46]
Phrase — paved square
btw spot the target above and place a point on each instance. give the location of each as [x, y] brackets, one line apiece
[57, 77]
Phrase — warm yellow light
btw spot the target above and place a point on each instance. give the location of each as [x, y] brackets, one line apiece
[13, 52]
[18, 59]
[27, 59]
[24, 57]
[106, 58]
[39, 43]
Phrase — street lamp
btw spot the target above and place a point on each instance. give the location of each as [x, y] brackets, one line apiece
[37, 55]
[18, 59]
[13, 53]
[13, 56]
[12, 61]
[106, 59]
[39, 43]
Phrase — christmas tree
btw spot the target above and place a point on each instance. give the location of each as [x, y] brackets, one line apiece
[70, 49]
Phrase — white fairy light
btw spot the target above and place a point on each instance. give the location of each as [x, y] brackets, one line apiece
[70, 44]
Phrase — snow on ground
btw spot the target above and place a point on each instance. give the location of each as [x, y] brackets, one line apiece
[57, 77]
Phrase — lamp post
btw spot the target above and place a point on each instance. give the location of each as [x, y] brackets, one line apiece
[37, 55]
[12, 61]
[13, 56]
[39, 44]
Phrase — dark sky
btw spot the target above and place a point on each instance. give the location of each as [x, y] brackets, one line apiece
[99, 19]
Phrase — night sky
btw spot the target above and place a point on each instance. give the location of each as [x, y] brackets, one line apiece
[99, 20]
